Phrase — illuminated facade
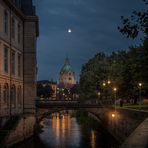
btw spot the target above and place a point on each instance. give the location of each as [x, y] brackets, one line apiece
[18, 33]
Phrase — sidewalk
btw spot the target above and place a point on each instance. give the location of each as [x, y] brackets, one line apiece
[139, 138]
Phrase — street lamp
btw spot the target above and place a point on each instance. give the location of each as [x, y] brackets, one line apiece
[140, 99]
[108, 82]
[104, 84]
[115, 96]
[113, 115]
[99, 94]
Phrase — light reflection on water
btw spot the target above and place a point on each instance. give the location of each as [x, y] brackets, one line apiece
[93, 138]
[61, 130]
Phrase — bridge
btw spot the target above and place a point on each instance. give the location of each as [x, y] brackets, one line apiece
[120, 126]
[46, 107]
[72, 104]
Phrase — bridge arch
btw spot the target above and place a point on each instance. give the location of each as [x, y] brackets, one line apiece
[96, 113]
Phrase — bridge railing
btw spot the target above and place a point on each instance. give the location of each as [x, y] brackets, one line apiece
[73, 103]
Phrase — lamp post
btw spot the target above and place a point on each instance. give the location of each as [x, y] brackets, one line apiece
[98, 94]
[140, 99]
[115, 96]
[108, 82]
[103, 84]
[108, 90]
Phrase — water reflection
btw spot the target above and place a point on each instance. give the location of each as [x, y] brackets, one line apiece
[93, 139]
[63, 130]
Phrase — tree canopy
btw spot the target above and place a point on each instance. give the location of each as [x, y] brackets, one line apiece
[125, 69]
[137, 23]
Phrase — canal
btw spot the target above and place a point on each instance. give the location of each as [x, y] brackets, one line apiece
[70, 130]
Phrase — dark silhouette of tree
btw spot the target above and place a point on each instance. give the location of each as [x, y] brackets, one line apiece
[125, 69]
[135, 24]
[44, 91]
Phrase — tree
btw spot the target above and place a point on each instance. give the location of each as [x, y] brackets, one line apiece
[92, 75]
[125, 69]
[44, 91]
[135, 24]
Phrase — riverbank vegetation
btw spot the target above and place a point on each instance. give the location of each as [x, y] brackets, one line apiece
[124, 70]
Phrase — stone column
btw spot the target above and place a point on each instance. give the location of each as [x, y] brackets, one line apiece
[30, 65]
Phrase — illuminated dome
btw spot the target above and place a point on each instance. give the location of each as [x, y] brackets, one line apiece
[67, 67]
[67, 75]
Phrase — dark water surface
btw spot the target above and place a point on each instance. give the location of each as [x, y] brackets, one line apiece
[63, 130]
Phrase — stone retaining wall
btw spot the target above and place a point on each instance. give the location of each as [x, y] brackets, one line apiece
[23, 129]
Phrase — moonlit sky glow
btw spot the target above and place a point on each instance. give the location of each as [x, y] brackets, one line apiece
[79, 29]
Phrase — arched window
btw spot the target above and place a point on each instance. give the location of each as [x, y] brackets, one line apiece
[19, 95]
[13, 95]
[6, 94]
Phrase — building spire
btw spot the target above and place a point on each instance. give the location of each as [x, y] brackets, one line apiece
[66, 61]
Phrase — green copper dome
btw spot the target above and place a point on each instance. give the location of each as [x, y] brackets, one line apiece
[67, 67]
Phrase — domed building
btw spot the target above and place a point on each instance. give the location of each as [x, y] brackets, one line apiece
[67, 75]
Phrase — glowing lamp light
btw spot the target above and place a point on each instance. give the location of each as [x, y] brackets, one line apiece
[113, 115]
[114, 89]
[109, 82]
[140, 84]
[99, 93]
[104, 84]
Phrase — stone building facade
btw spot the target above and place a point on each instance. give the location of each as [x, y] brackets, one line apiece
[18, 33]
[67, 75]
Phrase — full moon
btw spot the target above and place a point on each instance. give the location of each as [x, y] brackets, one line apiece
[69, 30]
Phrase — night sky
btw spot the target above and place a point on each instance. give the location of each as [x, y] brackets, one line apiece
[94, 28]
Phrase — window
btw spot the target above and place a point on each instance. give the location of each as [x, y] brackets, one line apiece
[6, 22]
[19, 65]
[6, 94]
[13, 95]
[6, 59]
[70, 79]
[19, 33]
[13, 62]
[19, 95]
[13, 28]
